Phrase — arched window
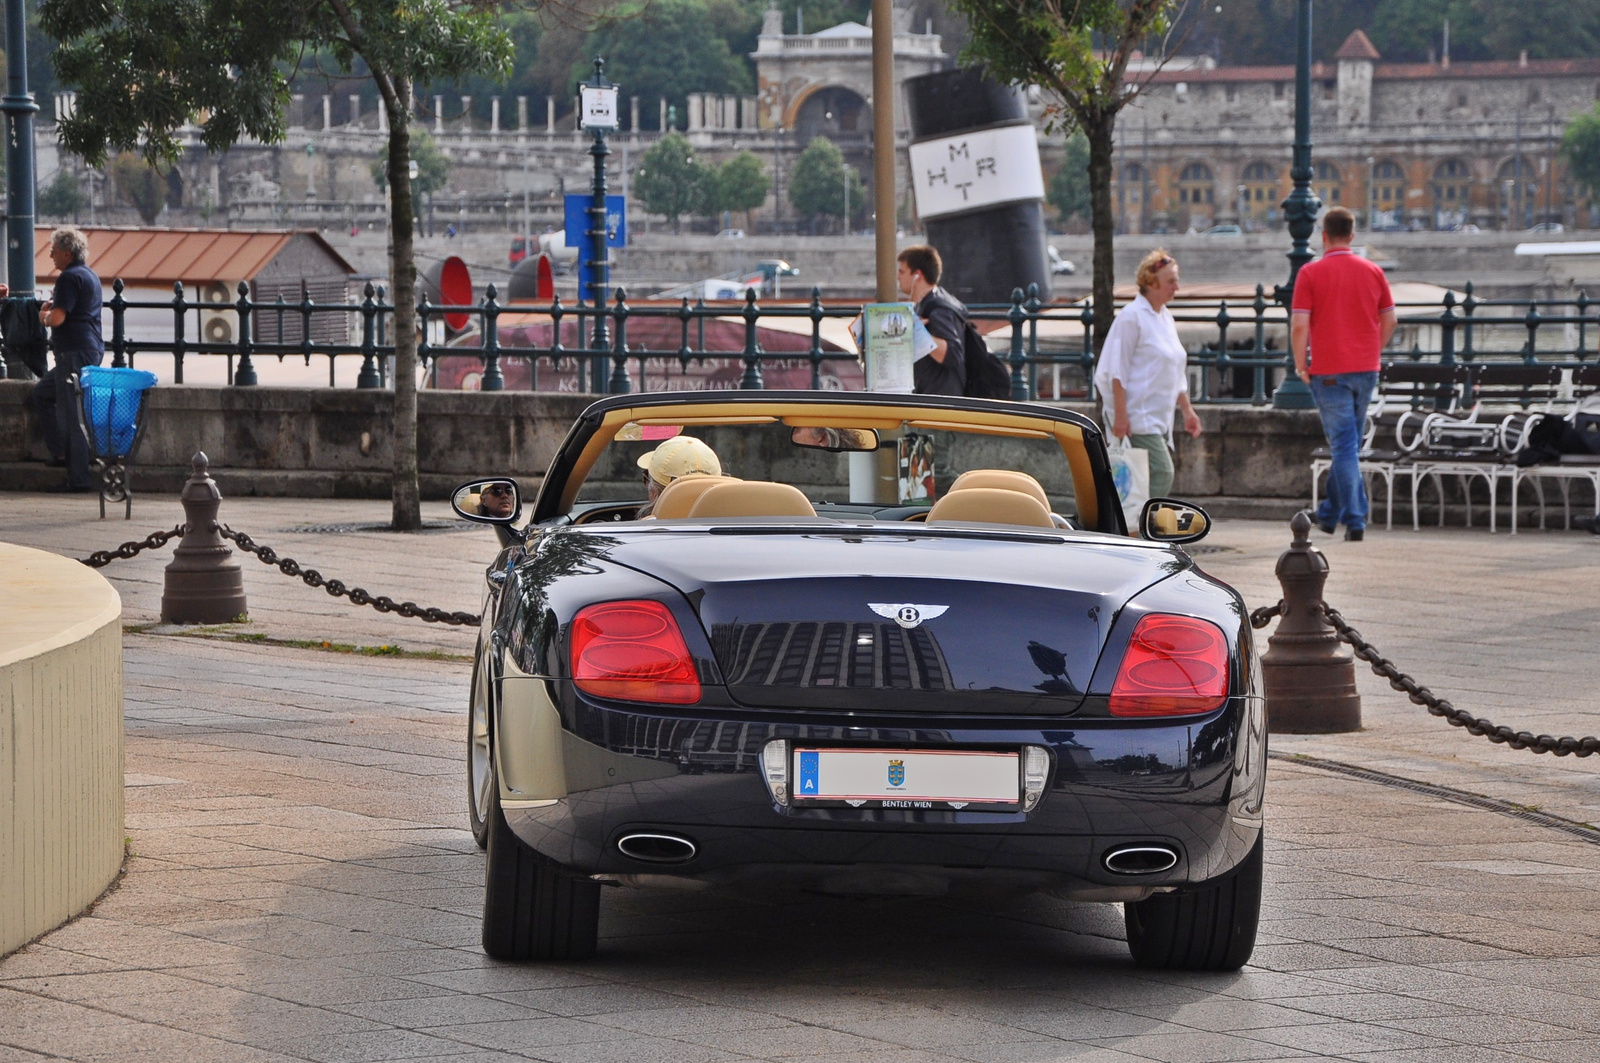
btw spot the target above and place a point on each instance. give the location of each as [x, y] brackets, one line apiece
[1258, 194]
[1326, 183]
[1519, 191]
[1386, 194]
[1195, 184]
[1131, 180]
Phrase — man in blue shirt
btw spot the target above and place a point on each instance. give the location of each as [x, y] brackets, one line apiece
[73, 315]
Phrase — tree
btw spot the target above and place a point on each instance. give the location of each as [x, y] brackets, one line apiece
[145, 69]
[741, 184]
[63, 197]
[1078, 51]
[670, 180]
[666, 48]
[1580, 144]
[1069, 187]
[433, 166]
[817, 183]
[140, 184]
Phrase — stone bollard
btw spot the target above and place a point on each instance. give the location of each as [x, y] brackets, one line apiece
[1310, 679]
[204, 585]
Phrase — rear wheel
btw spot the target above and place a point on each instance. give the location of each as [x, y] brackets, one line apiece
[533, 908]
[1211, 927]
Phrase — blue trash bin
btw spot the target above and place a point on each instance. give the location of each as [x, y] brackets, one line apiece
[111, 404]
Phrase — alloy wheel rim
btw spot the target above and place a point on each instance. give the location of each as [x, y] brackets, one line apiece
[479, 752]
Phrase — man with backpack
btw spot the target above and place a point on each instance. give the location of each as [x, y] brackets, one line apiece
[960, 362]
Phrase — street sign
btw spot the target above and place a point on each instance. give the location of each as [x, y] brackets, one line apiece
[576, 212]
[598, 106]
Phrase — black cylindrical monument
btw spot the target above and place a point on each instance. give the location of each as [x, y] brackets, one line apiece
[980, 192]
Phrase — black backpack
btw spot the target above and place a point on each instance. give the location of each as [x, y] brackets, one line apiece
[987, 376]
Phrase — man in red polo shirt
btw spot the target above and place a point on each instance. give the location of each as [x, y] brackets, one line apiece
[1343, 307]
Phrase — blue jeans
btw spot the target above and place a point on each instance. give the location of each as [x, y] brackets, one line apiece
[1342, 400]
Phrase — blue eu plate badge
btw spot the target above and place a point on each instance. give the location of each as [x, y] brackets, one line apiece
[808, 773]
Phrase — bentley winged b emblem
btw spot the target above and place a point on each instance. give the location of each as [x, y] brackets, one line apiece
[906, 614]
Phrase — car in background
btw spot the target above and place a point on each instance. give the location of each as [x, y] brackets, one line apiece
[1223, 230]
[942, 674]
[731, 234]
[1547, 227]
[1059, 266]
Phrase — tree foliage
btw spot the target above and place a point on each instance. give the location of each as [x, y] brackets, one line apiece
[146, 68]
[817, 183]
[140, 185]
[1069, 186]
[433, 166]
[1580, 144]
[1078, 52]
[1244, 32]
[741, 183]
[666, 48]
[670, 180]
[63, 197]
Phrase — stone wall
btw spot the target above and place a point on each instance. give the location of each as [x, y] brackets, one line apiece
[318, 442]
[313, 442]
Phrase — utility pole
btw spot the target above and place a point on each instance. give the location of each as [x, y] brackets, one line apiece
[1301, 207]
[19, 110]
[883, 146]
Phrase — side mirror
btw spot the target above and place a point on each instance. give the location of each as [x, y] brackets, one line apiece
[835, 439]
[495, 501]
[1167, 520]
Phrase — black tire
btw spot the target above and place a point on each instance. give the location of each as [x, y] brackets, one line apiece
[533, 908]
[1211, 927]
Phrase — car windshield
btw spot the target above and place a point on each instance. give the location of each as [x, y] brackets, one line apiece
[894, 470]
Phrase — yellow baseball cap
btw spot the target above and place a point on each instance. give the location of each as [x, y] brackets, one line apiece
[680, 456]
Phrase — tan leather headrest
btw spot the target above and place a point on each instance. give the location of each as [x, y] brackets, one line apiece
[1005, 480]
[989, 505]
[755, 498]
[679, 496]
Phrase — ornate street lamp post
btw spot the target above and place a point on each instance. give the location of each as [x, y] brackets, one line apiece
[1300, 209]
[598, 100]
[19, 110]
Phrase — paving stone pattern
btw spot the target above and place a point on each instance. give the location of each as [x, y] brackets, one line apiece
[302, 886]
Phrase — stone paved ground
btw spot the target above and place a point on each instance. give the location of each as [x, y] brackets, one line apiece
[302, 885]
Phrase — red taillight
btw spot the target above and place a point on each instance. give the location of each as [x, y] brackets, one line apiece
[633, 651]
[1175, 666]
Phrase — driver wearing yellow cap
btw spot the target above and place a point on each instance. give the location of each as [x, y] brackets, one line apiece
[678, 456]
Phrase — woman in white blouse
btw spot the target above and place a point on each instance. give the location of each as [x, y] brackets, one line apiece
[1143, 374]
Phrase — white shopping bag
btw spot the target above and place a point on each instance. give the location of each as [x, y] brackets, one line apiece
[1130, 468]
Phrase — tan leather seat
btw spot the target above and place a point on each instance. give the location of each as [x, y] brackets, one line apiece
[990, 505]
[753, 498]
[679, 496]
[1003, 479]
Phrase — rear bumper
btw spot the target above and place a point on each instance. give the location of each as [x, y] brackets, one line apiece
[1194, 786]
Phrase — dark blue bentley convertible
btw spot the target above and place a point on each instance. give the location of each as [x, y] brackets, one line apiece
[860, 643]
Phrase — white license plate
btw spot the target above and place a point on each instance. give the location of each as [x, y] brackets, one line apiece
[906, 778]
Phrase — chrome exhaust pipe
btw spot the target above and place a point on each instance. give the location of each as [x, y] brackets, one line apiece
[1140, 859]
[654, 848]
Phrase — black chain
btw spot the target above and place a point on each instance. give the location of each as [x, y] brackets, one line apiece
[102, 558]
[1437, 706]
[1260, 618]
[382, 603]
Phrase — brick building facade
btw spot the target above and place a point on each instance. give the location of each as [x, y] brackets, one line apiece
[1404, 145]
